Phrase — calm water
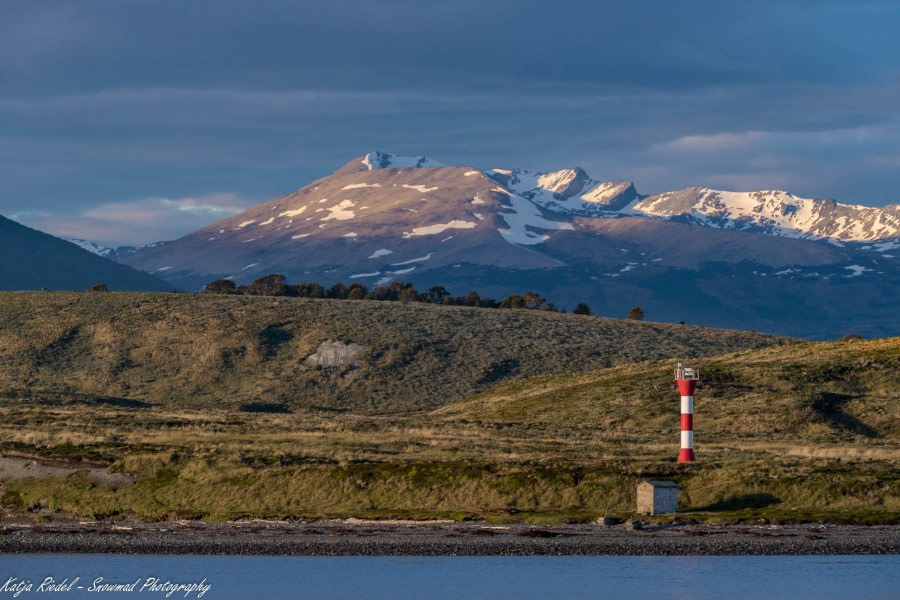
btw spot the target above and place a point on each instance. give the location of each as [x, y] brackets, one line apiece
[694, 578]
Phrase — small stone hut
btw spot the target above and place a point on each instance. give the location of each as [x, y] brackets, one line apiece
[657, 497]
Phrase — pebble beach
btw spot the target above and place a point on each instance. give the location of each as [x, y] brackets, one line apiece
[387, 538]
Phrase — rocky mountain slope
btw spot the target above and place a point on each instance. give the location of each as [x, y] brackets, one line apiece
[32, 260]
[763, 260]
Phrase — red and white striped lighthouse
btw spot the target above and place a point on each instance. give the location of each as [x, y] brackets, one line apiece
[687, 381]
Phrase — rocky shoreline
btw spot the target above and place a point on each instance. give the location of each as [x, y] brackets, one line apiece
[395, 538]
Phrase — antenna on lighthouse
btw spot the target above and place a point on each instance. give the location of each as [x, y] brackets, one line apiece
[687, 382]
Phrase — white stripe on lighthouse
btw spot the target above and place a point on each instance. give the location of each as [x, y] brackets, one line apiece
[687, 439]
[687, 405]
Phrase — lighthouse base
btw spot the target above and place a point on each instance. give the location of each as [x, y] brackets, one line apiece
[686, 455]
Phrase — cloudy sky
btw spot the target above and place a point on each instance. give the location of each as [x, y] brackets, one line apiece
[127, 122]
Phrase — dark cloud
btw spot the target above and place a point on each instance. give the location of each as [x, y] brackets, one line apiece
[108, 103]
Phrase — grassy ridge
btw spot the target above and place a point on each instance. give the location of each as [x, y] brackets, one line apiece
[803, 432]
[816, 392]
[194, 350]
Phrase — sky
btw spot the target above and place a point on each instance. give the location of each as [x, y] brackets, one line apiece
[127, 122]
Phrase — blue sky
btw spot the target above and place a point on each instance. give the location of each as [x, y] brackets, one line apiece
[130, 122]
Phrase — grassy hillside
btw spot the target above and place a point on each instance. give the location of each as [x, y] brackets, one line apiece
[194, 350]
[801, 432]
[814, 392]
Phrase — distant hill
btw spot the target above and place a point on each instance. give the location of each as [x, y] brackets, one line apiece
[226, 351]
[32, 260]
[768, 261]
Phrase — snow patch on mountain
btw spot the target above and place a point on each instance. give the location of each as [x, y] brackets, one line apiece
[340, 212]
[857, 270]
[438, 228]
[420, 188]
[292, 213]
[886, 246]
[381, 252]
[413, 260]
[354, 186]
[521, 218]
[92, 247]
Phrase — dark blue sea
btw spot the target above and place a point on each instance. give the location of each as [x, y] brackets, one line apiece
[568, 577]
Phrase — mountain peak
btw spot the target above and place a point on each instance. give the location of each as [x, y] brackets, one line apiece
[564, 183]
[383, 160]
[377, 160]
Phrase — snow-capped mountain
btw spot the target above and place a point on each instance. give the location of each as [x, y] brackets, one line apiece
[776, 212]
[567, 190]
[384, 218]
[773, 212]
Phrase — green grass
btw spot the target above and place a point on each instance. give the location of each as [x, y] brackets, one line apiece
[196, 350]
[797, 432]
[218, 487]
[817, 391]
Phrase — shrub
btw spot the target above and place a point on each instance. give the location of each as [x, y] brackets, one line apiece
[636, 313]
[220, 286]
[532, 300]
[436, 294]
[357, 292]
[582, 309]
[514, 301]
[270, 285]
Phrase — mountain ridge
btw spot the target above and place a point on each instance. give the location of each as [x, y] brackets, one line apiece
[34, 260]
[562, 234]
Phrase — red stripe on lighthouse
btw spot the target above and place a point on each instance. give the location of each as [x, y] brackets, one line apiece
[687, 422]
[687, 386]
